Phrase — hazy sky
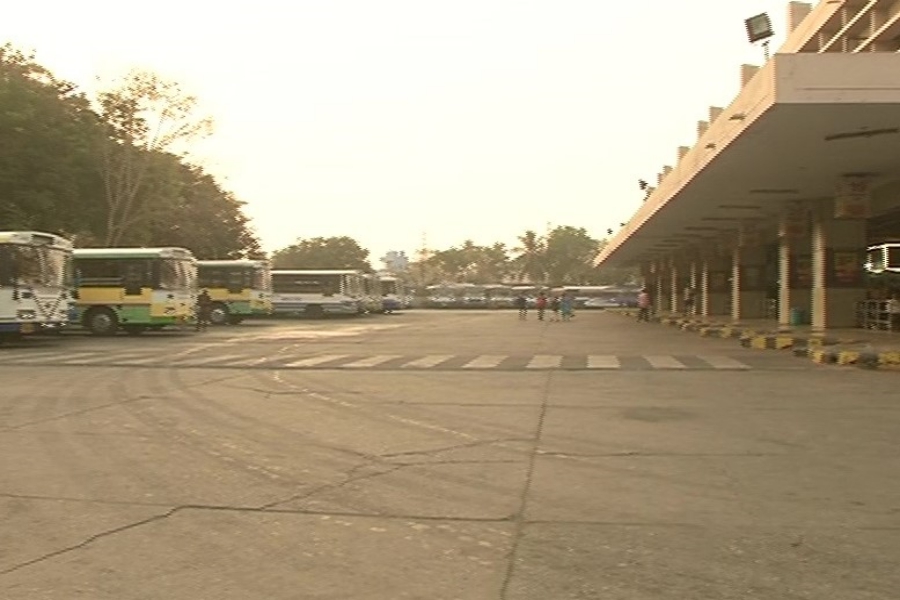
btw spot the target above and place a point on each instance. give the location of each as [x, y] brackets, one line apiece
[385, 120]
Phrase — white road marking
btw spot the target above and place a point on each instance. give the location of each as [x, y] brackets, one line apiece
[545, 361]
[428, 361]
[485, 361]
[603, 361]
[665, 362]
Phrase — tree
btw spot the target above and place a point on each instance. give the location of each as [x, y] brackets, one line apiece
[323, 253]
[530, 261]
[143, 115]
[569, 255]
[196, 213]
[48, 178]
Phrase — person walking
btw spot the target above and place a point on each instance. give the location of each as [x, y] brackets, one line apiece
[541, 305]
[643, 301]
[690, 296]
[566, 307]
[521, 304]
[554, 308]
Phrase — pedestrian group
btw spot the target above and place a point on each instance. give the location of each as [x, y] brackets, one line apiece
[561, 306]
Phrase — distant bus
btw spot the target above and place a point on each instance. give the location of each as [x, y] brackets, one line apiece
[317, 292]
[442, 296]
[372, 294]
[134, 289]
[601, 296]
[35, 273]
[238, 288]
[394, 294]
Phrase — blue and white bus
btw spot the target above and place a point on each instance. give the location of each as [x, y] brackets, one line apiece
[317, 293]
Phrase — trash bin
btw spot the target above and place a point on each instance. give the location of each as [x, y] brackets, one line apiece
[798, 316]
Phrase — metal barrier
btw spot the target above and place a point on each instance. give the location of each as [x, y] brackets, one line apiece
[876, 315]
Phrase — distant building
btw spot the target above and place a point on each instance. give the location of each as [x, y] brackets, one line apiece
[395, 261]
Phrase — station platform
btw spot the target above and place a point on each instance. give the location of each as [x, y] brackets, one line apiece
[865, 348]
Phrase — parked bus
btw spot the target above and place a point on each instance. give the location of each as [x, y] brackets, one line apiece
[35, 273]
[239, 289]
[394, 294]
[372, 294]
[317, 293]
[499, 295]
[883, 257]
[602, 296]
[134, 289]
[442, 296]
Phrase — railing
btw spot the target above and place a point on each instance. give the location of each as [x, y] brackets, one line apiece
[876, 315]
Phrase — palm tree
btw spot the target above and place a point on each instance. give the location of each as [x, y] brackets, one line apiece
[530, 261]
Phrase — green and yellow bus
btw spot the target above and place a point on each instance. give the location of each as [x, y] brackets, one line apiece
[238, 288]
[134, 289]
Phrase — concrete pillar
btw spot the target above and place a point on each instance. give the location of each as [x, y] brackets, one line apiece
[674, 292]
[748, 284]
[713, 289]
[784, 279]
[659, 297]
[838, 255]
[797, 11]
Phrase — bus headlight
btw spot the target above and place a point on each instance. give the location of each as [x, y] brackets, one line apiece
[26, 315]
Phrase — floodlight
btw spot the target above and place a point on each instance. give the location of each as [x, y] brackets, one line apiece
[759, 28]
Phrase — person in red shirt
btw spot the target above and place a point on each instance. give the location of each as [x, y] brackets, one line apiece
[541, 305]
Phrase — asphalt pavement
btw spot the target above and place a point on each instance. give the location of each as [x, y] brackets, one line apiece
[443, 455]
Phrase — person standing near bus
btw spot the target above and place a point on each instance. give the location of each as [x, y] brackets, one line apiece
[204, 310]
[554, 307]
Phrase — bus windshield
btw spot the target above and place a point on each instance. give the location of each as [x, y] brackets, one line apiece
[389, 287]
[175, 274]
[33, 266]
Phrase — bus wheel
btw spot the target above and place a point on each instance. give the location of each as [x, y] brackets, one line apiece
[314, 311]
[135, 329]
[218, 314]
[102, 321]
[235, 319]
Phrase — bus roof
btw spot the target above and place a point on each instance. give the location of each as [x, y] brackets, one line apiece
[240, 262]
[37, 238]
[133, 253]
[316, 272]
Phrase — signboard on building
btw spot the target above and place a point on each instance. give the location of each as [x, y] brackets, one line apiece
[796, 221]
[801, 272]
[851, 200]
[845, 268]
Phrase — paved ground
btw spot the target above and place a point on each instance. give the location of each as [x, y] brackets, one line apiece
[443, 455]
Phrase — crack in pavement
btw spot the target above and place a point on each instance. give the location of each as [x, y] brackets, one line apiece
[434, 451]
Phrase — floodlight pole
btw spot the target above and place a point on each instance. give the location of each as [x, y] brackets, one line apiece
[765, 46]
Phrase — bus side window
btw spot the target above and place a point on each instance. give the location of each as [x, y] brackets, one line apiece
[133, 277]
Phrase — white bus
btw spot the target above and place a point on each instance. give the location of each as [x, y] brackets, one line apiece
[317, 292]
[372, 294]
[395, 295]
[134, 289]
[883, 257]
[35, 282]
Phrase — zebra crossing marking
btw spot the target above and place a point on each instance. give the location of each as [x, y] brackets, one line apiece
[665, 362]
[722, 362]
[371, 361]
[603, 361]
[485, 361]
[544, 361]
[447, 362]
[432, 360]
[316, 360]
